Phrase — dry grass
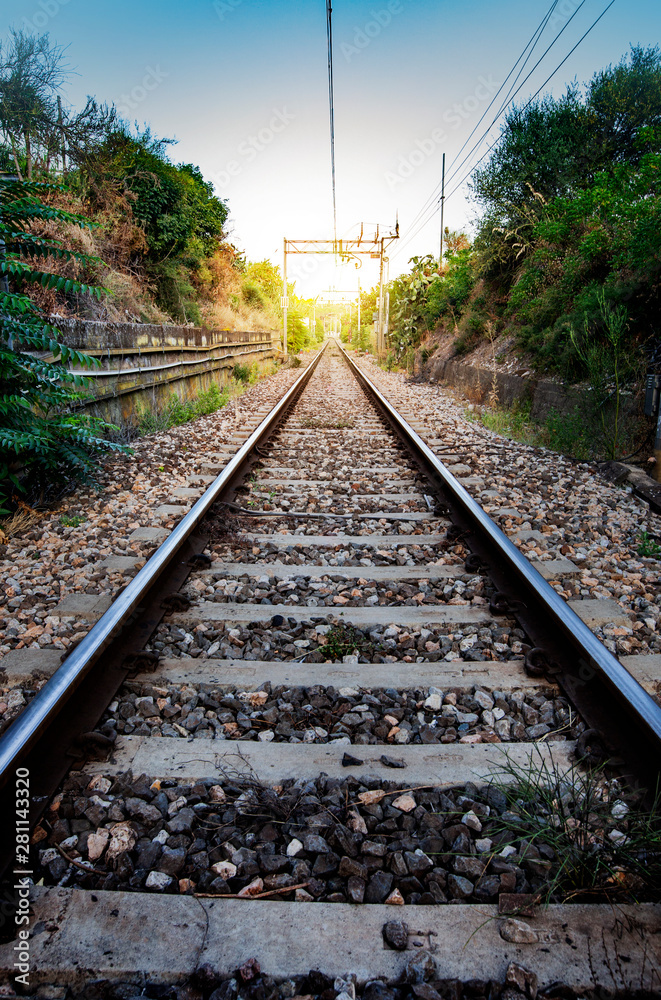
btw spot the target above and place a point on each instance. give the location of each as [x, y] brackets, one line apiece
[128, 296]
[220, 316]
[120, 242]
[24, 518]
[224, 316]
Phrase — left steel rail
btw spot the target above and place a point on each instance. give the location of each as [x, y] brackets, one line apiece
[44, 708]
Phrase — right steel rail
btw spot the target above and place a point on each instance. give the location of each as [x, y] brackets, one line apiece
[592, 662]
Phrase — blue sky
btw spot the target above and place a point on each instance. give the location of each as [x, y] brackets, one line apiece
[242, 86]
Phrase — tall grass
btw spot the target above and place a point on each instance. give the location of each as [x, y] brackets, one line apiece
[180, 411]
[594, 845]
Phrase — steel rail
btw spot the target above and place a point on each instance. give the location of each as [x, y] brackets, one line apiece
[627, 690]
[16, 742]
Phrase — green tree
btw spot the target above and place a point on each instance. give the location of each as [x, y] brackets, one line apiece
[554, 149]
[41, 439]
[176, 208]
[408, 298]
[31, 73]
[623, 104]
[605, 241]
[266, 276]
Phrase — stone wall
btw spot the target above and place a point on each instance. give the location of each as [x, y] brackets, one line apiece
[143, 364]
[543, 394]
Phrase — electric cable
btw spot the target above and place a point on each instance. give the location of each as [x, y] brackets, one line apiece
[331, 105]
[532, 41]
[537, 92]
[531, 44]
[504, 105]
[519, 88]
[518, 114]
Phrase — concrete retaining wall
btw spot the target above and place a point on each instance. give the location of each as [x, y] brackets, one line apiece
[544, 394]
[143, 364]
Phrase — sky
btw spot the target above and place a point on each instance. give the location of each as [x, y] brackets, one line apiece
[242, 86]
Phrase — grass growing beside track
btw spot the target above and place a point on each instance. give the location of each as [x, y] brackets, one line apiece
[573, 434]
[179, 411]
[511, 422]
[591, 840]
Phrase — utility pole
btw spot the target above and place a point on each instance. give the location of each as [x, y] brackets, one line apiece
[285, 301]
[440, 259]
[380, 339]
[359, 307]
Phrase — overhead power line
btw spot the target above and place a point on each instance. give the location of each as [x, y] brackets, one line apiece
[430, 215]
[531, 44]
[538, 91]
[331, 105]
[509, 98]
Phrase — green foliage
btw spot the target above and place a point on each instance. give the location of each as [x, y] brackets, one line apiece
[266, 277]
[514, 422]
[568, 239]
[252, 294]
[179, 411]
[344, 640]
[552, 149]
[41, 439]
[586, 854]
[609, 365]
[648, 547]
[571, 205]
[421, 299]
[181, 217]
[570, 433]
[298, 334]
[578, 433]
[605, 243]
[408, 303]
[74, 521]
[472, 330]
[178, 210]
[450, 292]
[241, 372]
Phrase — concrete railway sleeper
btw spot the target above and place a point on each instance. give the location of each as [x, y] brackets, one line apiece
[337, 682]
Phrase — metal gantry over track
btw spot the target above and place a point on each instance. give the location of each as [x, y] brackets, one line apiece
[347, 250]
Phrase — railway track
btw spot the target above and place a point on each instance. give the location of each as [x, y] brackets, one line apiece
[337, 682]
